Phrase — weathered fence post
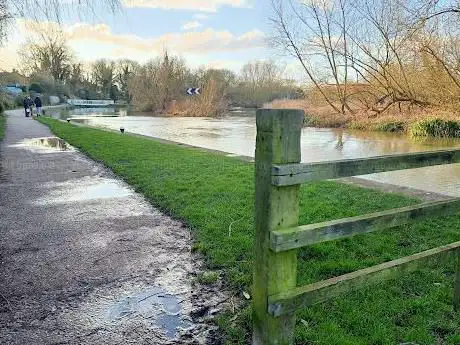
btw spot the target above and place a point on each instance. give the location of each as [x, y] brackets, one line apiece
[278, 142]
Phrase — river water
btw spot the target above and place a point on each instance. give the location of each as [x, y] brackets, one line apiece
[236, 133]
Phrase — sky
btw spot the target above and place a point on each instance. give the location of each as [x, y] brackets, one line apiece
[212, 33]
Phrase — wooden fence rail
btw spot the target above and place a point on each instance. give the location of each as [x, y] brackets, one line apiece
[278, 176]
[290, 174]
[290, 301]
[306, 235]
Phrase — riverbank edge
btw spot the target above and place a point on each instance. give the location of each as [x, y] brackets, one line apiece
[429, 127]
[422, 124]
[355, 181]
[214, 211]
[161, 141]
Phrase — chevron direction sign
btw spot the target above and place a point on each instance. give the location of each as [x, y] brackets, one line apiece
[193, 91]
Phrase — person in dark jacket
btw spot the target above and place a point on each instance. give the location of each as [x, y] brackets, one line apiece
[38, 105]
[28, 103]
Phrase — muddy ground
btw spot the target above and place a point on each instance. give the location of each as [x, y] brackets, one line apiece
[86, 260]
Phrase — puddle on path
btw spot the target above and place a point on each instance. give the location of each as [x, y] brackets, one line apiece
[155, 305]
[45, 145]
[52, 142]
[85, 189]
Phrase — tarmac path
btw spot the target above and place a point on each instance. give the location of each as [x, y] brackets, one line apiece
[83, 258]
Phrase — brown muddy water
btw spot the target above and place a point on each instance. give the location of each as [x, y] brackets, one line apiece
[236, 132]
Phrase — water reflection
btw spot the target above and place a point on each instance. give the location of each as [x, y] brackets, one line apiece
[89, 111]
[155, 305]
[236, 133]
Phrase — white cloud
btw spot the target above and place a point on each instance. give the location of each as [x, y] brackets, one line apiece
[202, 42]
[234, 65]
[9, 58]
[91, 42]
[201, 16]
[192, 25]
[195, 5]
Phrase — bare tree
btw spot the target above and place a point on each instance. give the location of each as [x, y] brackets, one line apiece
[214, 84]
[55, 9]
[158, 83]
[49, 54]
[103, 77]
[427, 10]
[260, 81]
[5, 18]
[258, 74]
[314, 32]
[380, 42]
[48, 9]
[76, 76]
[125, 70]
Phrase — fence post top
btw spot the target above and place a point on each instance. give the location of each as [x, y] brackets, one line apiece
[288, 119]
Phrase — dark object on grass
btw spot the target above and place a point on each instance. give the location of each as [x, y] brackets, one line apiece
[68, 120]
[122, 130]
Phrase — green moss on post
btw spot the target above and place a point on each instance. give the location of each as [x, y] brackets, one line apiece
[278, 142]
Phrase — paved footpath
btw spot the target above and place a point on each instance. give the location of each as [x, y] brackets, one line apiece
[83, 258]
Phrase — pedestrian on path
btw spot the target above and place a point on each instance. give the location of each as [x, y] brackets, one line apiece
[38, 105]
[28, 103]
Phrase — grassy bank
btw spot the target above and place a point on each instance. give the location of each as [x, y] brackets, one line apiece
[413, 121]
[210, 192]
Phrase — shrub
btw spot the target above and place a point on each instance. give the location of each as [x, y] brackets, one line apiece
[36, 88]
[6, 102]
[397, 126]
[435, 127]
[19, 101]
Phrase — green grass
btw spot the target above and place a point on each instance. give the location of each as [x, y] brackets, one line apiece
[393, 126]
[209, 192]
[436, 128]
[208, 277]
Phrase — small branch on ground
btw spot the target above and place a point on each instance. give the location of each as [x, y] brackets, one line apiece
[231, 224]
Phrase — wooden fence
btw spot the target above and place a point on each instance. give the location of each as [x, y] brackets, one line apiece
[279, 174]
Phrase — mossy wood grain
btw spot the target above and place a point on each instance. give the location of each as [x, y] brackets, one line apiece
[291, 174]
[278, 142]
[305, 235]
[301, 297]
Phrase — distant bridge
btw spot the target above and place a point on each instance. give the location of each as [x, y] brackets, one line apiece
[90, 102]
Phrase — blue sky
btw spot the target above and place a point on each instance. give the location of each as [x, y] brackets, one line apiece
[217, 33]
[148, 22]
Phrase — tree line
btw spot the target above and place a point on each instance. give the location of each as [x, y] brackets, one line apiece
[372, 56]
[158, 85]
